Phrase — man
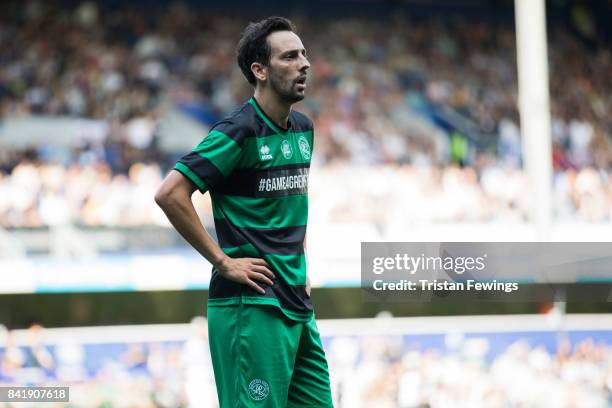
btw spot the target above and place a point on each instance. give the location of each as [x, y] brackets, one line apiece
[264, 342]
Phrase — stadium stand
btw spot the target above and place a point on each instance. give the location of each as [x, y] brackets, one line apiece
[408, 99]
[416, 114]
[383, 362]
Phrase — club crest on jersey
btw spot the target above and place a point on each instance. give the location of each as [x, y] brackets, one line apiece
[286, 149]
[265, 153]
[304, 147]
[258, 389]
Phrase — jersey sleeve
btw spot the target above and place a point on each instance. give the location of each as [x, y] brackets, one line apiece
[214, 158]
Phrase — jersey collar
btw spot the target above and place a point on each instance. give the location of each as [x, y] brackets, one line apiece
[267, 119]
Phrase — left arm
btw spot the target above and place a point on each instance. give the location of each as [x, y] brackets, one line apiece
[308, 288]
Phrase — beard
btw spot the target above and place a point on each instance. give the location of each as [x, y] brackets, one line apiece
[284, 88]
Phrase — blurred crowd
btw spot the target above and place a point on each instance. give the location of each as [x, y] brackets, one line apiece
[385, 372]
[391, 196]
[373, 92]
[140, 374]
[36, 195]
[366, 371]
[403, 195]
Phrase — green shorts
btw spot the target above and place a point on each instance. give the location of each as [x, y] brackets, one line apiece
[263, 359]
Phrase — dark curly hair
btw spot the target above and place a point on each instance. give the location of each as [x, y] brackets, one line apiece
[253, 46]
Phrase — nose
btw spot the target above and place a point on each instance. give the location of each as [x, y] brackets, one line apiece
[304, 63]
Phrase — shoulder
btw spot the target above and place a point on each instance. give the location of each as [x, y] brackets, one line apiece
[239, 124]
[301, 122]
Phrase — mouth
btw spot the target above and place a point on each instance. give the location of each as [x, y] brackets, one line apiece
[301, 82]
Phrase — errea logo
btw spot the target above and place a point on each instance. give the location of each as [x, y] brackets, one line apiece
[265, 153]
[258, 390]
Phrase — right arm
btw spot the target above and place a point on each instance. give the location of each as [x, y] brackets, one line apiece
[174, 198]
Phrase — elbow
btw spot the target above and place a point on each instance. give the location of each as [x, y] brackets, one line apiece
[163, 197]
[173, 191]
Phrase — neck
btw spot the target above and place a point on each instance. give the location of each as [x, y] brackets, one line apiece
[276, 109]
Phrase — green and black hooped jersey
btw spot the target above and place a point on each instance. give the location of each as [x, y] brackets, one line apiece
[257, 174]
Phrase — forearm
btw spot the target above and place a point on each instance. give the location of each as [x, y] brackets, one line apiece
[174, 198]
[182, 215]
[308, 287]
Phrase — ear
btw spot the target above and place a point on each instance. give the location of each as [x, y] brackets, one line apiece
[260, 71]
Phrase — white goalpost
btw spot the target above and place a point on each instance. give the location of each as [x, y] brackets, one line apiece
[532, 58]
